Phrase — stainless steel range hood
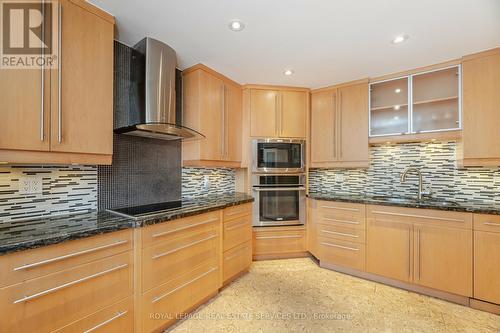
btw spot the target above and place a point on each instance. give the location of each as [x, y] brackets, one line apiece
[153, 112]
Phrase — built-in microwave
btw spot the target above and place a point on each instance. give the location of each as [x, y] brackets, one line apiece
[278, 155]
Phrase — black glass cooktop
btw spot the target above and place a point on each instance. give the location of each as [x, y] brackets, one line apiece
[148, 209]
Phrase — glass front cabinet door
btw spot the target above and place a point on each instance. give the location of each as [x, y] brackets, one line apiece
[417, 103]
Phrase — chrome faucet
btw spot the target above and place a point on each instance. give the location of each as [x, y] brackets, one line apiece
[421, 191]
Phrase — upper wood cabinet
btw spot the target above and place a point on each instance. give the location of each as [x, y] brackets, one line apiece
[34, 126]
[213, 107]
[339, 126]
[481, 110]
[278, 113]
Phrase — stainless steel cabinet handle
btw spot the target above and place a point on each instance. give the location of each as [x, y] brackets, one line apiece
[418, 216]
[157, 298]
[70, 255]
[42, 83]
[118, 315]
[267, 189]
[339, 233]
[160, 234]
[177, 249]
[340, 221]
[237, 253]
[340, 246]
[59, 75]
[236, 226]
[69, 284]
[341, 208]
[278, 237]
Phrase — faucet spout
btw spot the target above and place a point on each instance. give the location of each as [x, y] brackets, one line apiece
[421, 191]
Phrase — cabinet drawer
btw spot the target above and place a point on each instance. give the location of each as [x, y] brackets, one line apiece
[341, 210]
[237, 231]
[275, 240]
[237, 211]
[342, 253]
[176, 256]
[25, 265]
[342, 232]
[53, 301]
[161, 231]
[437, 218]
[486, 266]
[485, 222]
[117, 318]
[237, 260]
[163, 305]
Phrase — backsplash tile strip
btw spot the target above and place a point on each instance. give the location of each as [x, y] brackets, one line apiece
[437, 162]
[65, 189]
[222, 181]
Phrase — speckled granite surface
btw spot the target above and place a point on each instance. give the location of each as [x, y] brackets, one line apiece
[30, 234]
[471, 206]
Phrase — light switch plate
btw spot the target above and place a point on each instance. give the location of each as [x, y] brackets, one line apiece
[339, 177]
[30, 185]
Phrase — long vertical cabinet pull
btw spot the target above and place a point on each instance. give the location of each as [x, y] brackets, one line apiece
[340, 125]
[42, 78]
[59, 75]
[223, 118]
[334, 125]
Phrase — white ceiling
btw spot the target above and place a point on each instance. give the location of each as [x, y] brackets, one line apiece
[324, 41]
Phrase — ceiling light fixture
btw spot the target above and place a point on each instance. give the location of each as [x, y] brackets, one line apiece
[288, 72]
[399, 39]
[397, 91]
[397, 107]
[236, 25]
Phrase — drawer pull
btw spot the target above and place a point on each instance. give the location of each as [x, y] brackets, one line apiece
[70, 255]
[69, 284]
[157, 298]
[236, 226]
[118, 315]
[339, 233]
[341, 208]
[340, 221]
[177, 249]
[340, 246]
[419, 216]
[277, 237]
[492, 224]
[237, 253]
[184, 228]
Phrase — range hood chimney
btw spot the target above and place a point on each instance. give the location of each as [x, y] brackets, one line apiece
[153, 113]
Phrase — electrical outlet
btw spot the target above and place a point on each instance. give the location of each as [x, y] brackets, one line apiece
[30, 185]
[339, 177]
[206, 183]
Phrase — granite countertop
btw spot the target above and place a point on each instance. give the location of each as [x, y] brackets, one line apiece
[470, 206]
[39, 232]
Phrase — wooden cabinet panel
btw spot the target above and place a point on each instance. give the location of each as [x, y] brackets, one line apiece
[389, 249]
[233, 129]
[53, 301]
[443, 259]
[481, 114]
[264, 113]
[486, 266]
[86, 113]
[342, 232]
[278, 240]
[342, 253]
[323, 138]
[236, 211]
[117, 318]
[293, 114]
[237, 231]
[353, 123]
[312, 225]
[30, 264]
[237, 260]
[342, 212]
[485, 222]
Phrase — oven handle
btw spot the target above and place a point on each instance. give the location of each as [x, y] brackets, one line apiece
[267, 189]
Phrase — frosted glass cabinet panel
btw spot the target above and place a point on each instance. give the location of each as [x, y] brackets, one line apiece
[389, 107]
[435, 100]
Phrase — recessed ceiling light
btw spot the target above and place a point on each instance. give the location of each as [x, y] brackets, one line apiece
[397, 91]
[288, 72]
[236, 25]
[400, 39]
[397, 107]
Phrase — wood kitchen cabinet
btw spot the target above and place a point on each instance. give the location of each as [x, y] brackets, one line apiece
[278, 113]
[213, 107]
[312, 227]
[79, 129]
[279, 242]
[481, 112]
[339, 126]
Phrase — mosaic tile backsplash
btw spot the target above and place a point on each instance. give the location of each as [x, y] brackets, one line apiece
[65, 189]
[220, 181]
[436, 161]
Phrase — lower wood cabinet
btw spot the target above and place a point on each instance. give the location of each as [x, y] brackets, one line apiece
[342, 253]
[236, 260]
[312, 226]
[279, 242]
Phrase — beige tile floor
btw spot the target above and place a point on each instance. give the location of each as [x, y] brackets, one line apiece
[296, 295]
